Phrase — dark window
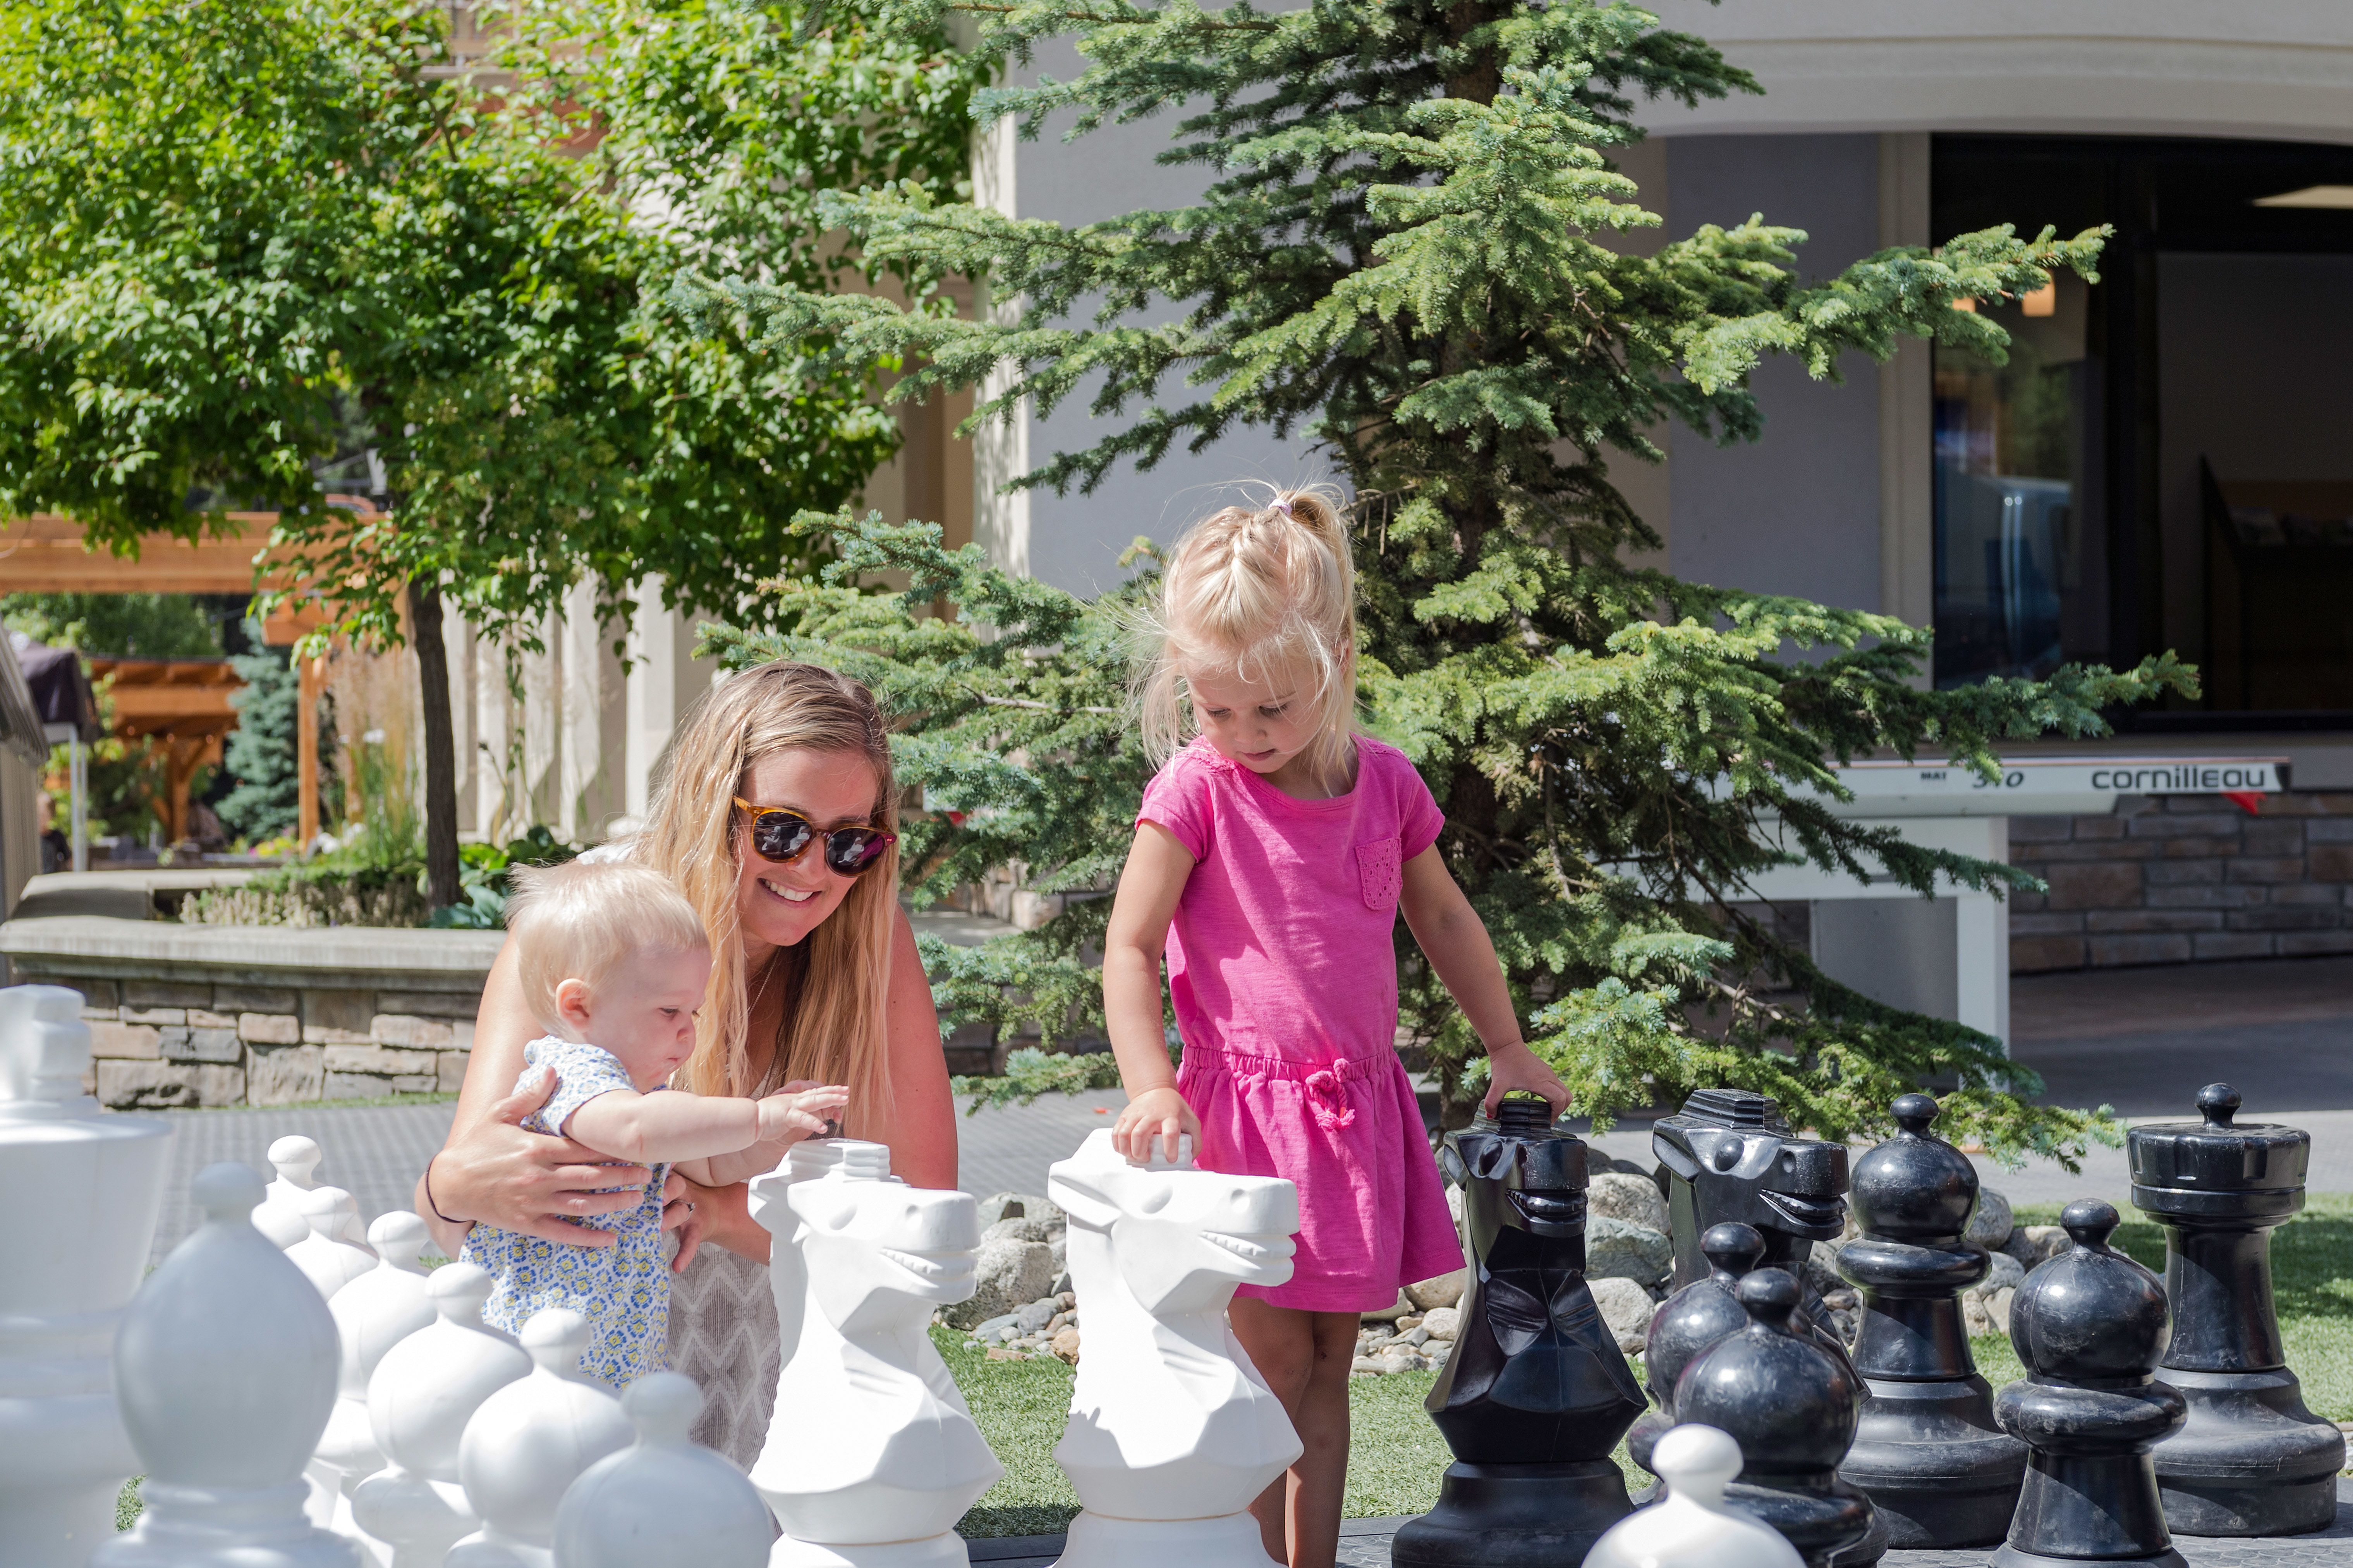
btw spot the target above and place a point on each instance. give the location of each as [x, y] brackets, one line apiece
[2165, 460]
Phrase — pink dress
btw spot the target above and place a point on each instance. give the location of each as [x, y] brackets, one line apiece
[1283, 969]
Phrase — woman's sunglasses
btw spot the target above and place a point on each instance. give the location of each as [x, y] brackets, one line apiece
[782, 836]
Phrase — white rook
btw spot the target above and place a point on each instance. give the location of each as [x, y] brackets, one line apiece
[1172, 1433]
[84, 1189]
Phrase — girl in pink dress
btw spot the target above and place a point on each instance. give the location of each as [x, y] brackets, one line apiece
[1273, 855]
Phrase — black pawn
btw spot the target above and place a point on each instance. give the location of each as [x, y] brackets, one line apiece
[2251, 1460]
[2088, 1324]
[1792, 1405]
[1927, 1452]
[1687, 1322]
[1536, 1393]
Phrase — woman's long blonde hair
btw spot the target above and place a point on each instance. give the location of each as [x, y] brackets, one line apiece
[837, 980]
[1258, 593]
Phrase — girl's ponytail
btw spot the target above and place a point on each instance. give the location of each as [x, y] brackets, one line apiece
[1259, 593]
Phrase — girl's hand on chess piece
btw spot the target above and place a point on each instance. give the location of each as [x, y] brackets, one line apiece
[527, 1183]
[1159, 1113]
[1515, 1066]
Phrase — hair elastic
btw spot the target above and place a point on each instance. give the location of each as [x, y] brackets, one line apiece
[1282, 506]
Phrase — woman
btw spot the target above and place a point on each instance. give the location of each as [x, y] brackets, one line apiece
[776, 813]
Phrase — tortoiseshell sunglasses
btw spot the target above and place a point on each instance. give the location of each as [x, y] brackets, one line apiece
[782, 836]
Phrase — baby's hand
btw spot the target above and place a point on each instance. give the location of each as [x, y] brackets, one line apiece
[787, 1117]
[1159, 1113]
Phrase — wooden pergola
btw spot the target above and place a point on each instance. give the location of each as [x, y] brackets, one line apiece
[183, 706]
[46, 554]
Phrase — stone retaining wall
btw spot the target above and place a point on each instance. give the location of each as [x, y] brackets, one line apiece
[215, 1015]
[2176, 878]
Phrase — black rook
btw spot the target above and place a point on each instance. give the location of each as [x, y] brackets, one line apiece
[1927, 1453]
[1536, 1394]
[2251, 1460]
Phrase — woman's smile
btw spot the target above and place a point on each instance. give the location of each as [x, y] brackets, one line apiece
[790, 895]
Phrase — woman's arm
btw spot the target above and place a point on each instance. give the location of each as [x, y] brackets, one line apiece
[1158, 865]
[490, 1169]
[1456, 942]
[921, 1125]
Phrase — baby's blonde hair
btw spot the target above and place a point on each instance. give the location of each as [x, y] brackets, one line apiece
[582, 919]
[1259, 594]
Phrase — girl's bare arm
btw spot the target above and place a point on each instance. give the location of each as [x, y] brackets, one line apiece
[1455, 941]
[1158, 868]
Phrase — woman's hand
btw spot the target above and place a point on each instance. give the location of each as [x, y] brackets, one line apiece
[725, 1216]
[683, 1213]
[1159, 1113]
[495, 1173]
[1515, 1066]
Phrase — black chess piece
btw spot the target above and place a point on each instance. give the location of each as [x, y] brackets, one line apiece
[1690, 1321]
[1927, 1452]
[1730, 1157]
[1792, 1405]
[2088, 1324]
[2250, 1459]
[1536, 1394]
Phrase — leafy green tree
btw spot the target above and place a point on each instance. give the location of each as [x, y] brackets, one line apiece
[1405, 250]
[126, 626]
[239, 242]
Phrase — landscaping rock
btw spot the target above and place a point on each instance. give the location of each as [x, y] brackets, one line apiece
[1821, 1268]
[1443, 1323]
[1989, 1228]
[1065, 1346]
[1011, 1274]
[1035, 1315]
[1017, 1229]
[1018, 1205]
[1626, 1307]
[1615, 1249]
[1443, 1291]
[2034, 1244]
[1632, 1198]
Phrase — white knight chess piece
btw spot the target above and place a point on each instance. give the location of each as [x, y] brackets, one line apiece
[530, 1441]
[872, 1457]
[664, 1502]
[225, 1371]
[373, 1313]
[84, 1188]
[1692, 1527]
[1172, 1433]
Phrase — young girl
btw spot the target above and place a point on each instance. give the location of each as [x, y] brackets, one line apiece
[1272, 857]
[613, 962]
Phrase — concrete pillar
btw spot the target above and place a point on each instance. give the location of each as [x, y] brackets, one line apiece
[664, 681]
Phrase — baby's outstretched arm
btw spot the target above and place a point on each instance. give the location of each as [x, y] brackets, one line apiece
[800, 1110]
[652, 1129]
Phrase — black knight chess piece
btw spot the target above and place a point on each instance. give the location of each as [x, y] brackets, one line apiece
[1690, 1321]
[1791, 1406]
[2250, 1459]
[2089, 1325]
[1927, 1453]
[1536, 1393]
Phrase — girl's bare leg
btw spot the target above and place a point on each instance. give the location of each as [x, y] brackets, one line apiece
[1304, 1359]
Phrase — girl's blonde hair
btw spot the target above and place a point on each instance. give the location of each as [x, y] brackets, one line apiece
[837, 980]
[1261, 593]
[581, 920]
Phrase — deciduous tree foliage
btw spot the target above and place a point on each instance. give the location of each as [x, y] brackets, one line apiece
[238, 239]
[1405, 252]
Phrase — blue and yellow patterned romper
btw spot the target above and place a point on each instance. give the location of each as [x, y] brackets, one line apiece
[623, 1289]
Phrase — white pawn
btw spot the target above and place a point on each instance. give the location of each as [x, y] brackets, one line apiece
[225, 1370]
[423, 1393]
[295, 1159]
[329, 1260]
[373, 1313]
[1693, 1527]
[530, 1441]
[663, 1502]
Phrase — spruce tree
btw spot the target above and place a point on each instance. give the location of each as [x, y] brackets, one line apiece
[1405, 252]
[262, 756]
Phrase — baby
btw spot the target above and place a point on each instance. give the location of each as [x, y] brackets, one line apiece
[613, 964]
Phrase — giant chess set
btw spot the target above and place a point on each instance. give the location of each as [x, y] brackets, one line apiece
[299, 1393]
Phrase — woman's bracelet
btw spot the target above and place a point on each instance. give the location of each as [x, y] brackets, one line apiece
[444, 1218]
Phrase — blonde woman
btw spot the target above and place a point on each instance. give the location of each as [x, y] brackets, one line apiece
[778, 817]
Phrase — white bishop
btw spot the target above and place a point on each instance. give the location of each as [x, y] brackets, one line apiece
[663, 1502]
[1692, 1527]
[225, 1370]
[328, 1260]
[373, 1313]
[529, 1442]
[423, 1393]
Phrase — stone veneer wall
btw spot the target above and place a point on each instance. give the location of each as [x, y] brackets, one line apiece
[2176, 878]
[217, 1016]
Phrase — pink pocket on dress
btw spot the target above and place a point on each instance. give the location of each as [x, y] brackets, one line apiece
[1379, 874]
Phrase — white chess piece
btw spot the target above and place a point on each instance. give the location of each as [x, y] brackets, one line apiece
[84, 1188]
[872, 1456]
[225, 1371]
[1172, 1432]
[324, 1257]
[419, 1399]
[529, 1442]
[663, 1502]
[1692, 1527]
[373, 1313]
[296, 1160]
